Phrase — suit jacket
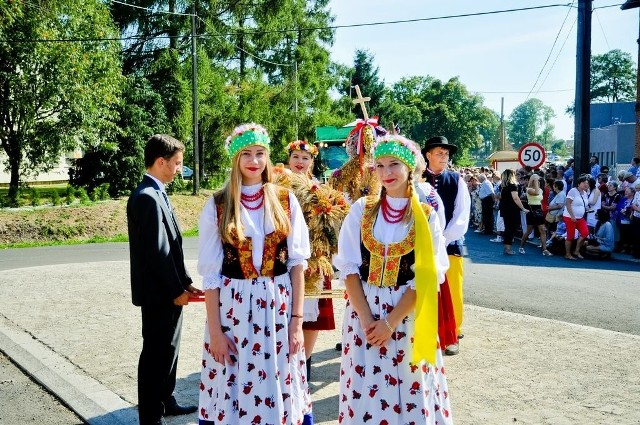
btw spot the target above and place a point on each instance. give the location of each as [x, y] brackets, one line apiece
[158, 273]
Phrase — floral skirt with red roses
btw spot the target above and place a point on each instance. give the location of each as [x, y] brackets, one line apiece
[265, 385]
[380, 385]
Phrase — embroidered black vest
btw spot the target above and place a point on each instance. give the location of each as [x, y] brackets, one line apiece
[394, 269]
[237, 260]
[446, 184]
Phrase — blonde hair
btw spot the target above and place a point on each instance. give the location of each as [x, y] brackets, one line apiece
[421, 166]
[230, 222]
[508, 177]
[533, 180]
[408, 213]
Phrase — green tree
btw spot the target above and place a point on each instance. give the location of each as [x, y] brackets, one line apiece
[55, 96]
[9, 12]
[120, 163]
[424, 107]
[404, 104]
[531, 122]
[559, 147]
[613, 77]
[490, 133]
[365, 75]
[257, 61]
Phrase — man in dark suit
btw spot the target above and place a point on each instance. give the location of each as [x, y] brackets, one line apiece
[160, 282]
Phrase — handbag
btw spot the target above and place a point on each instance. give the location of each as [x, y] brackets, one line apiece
[550, 218]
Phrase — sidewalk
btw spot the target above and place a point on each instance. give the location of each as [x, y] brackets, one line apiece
[73, 328]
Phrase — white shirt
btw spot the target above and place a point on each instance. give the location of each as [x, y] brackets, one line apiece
[256, 226]
[459, 223]
[158, 182]
[636, 202]
[349, 258]
[486, 189]
[579, 201]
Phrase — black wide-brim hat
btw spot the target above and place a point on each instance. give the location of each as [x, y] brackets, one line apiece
[439, 141]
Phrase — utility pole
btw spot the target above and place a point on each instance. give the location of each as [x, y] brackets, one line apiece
[295, 71]
[503, 145]
[194, 95]
[632, 4]
[581, 139]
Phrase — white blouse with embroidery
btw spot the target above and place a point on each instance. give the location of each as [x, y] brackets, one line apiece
[256, 226]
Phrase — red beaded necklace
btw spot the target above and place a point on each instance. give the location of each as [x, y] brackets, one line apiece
[390, 214]
[245, 200]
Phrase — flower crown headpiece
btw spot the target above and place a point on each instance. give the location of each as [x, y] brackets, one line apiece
[304, 146]
[397, 146]
[246, 135]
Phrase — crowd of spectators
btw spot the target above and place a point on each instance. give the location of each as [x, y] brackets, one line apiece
[595, 215]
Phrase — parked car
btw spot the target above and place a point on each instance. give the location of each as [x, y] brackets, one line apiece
[187, 173]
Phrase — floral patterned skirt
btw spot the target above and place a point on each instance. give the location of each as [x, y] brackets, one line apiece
[380, 385]
[265, 385]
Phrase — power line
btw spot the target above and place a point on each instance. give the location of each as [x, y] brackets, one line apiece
[551, 51]
[558, 55]
[405, 21]
[150, 10]
[608, 6]
[306, 29]
[521, 92]
[602, 29]
[219, 36]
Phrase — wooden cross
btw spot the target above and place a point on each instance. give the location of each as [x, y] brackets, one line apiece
[359, 100]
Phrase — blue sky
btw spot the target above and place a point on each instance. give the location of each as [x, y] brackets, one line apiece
[499, 55]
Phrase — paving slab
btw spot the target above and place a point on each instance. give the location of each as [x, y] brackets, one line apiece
[74, 329]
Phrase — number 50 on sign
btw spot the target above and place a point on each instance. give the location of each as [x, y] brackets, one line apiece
[532, 155]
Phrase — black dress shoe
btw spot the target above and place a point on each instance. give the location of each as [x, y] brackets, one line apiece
[174, 409]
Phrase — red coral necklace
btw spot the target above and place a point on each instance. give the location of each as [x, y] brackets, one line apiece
[246, 200]
[390, 214]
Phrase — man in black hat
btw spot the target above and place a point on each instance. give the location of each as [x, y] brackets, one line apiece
[457, 206]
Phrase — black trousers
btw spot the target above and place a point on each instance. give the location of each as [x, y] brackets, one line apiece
[511, 222]
[487, 214]
[161, 330]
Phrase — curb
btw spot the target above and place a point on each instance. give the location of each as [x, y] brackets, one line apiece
[88, 398]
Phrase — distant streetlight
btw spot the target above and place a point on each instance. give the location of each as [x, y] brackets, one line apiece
[632, 4]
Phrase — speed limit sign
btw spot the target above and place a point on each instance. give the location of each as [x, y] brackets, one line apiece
[532, 155]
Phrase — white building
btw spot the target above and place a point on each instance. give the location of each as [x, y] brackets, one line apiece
[58, 174]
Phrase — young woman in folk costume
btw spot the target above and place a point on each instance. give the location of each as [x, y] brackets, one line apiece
[324, 210]
[392, 368]
[253, 248]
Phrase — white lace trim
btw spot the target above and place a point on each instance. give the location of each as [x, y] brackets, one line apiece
[211, 282]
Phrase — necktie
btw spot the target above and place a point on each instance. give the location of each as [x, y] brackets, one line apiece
[173, 219]
[166, 199]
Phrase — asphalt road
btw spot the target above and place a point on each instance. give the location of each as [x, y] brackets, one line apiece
[25, 401]
[601, 294]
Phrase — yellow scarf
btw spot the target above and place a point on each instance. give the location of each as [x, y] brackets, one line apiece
[425, 341]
